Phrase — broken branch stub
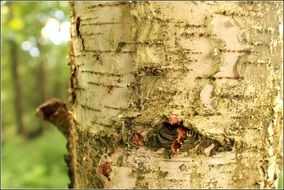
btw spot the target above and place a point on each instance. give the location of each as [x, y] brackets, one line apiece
[55, 111]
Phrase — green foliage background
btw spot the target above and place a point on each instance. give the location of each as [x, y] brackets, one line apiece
[33, 162]
[39, 161]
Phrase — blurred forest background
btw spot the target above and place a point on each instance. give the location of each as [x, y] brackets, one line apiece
[34, 58]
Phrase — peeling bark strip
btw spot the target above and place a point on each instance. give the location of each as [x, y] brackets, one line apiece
[56, 112]
[176, 94]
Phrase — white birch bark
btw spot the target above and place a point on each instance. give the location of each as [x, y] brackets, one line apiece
[216, 65]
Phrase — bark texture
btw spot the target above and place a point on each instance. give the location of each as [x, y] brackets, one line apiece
[150, 80]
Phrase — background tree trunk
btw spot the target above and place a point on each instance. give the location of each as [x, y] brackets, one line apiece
[40, 73]
[213, 68]
[18, 98]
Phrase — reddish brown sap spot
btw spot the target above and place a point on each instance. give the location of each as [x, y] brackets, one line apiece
[105, 169]
[182, 134]
[175, 146]
[137, 138]
[110, 88]
[174, 119]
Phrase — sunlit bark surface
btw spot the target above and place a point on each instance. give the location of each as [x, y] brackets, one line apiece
[212, 67]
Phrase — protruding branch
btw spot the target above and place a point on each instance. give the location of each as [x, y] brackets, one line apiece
[56, 112]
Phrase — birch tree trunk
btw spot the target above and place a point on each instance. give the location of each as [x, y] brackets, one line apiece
[175, 94]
